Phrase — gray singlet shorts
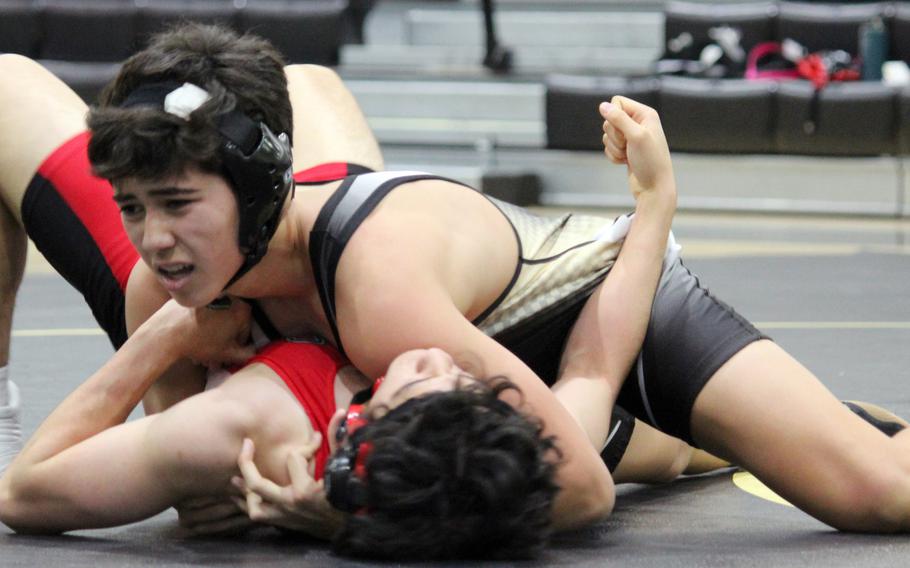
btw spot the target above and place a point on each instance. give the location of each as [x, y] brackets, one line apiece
[691, 334]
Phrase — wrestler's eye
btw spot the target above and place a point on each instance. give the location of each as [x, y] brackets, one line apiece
[130, 211]
[176, 204]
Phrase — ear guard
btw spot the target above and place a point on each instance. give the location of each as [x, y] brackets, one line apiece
[258, 164]
[345, 472]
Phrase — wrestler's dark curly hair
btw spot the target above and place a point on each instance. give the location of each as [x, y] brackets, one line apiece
[244, 72]
[456, 474]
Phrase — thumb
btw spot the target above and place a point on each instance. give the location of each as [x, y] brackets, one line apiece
[616, 115]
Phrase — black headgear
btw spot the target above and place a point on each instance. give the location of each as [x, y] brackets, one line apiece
[345, 472]
[256, 162]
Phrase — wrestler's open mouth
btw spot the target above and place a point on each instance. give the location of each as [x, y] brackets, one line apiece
[175, 271]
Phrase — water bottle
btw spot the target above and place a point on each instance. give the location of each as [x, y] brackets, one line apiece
[873, 48]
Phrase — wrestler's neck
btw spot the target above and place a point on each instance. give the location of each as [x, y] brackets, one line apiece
[285, 271]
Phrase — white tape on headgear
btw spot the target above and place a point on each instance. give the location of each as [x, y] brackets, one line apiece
[183, 100]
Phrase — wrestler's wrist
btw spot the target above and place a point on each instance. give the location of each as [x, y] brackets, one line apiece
[658, 201]
[159, 339]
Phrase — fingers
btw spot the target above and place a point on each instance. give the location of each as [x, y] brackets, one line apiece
[240, 503]
[303, 484]
[245, 462]
[614, 139]
[618, 116]
[247, 451]
[254, 506]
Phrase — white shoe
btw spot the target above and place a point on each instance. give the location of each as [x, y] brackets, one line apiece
[10, 428]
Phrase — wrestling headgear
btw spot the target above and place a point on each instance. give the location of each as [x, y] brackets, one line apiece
[345, 472]
[256, 162]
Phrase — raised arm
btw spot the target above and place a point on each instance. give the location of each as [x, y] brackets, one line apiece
[62, 478]
[611, 328]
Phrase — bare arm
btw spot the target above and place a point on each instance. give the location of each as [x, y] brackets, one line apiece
[611, 329]
[429, 319]
[63, 477]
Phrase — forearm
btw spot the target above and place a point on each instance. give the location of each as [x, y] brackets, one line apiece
[610, 331]
[627, 294]
[104, 400]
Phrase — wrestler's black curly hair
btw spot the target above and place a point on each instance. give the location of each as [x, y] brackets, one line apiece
[456, 474]
[238, 72]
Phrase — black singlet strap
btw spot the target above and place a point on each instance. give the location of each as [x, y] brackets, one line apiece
[263, 321]
[341, 215]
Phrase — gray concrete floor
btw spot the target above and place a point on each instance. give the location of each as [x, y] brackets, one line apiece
[834, 292]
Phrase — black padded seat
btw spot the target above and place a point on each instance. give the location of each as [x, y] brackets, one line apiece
[572, 119]
[721, 115]
[756, 22]
[851, 119]
[305, 32]
[900, 32]
[157, 16]
[18, 28]
[95, 31]
[87, 79]
[826, 26]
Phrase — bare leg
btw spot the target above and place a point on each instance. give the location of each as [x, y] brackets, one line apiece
[654, 457]
[651, 457]
[701, 461]
[766, 412]
[12, 266]
[328, 124]
[37, 113]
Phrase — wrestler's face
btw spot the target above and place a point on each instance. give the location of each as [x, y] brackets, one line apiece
[416, 373]
[185, 229]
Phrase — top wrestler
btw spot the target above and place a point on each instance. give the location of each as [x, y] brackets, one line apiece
[70, 216]
[162, 209]
[383, 263]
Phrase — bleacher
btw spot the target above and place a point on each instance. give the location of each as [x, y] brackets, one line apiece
[415, 67]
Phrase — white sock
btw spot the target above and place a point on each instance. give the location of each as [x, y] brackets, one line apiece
[4, 390]
[10, 427]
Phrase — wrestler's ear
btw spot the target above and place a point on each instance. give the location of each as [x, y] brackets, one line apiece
[334, 425]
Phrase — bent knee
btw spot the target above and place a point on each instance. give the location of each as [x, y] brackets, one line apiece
[879, 502]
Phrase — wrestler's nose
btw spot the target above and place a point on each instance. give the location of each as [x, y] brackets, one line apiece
[157, 233]
[437, 362]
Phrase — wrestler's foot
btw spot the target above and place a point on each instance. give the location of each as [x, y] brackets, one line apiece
[10, 427]
[885, 420]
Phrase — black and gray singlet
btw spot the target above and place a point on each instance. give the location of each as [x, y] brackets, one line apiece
[560, 262]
